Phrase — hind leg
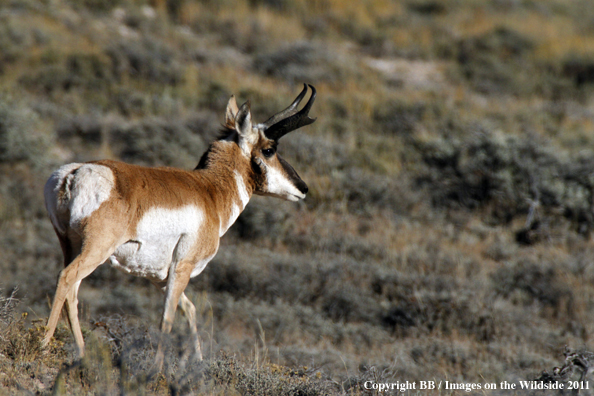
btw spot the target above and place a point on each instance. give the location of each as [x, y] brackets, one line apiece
[72, 314]
[94, 252]
[71, 248]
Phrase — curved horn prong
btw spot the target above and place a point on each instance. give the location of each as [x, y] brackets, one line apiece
[289, 111]
[292, 120]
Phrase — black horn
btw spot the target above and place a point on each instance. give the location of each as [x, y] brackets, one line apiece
[290, 119]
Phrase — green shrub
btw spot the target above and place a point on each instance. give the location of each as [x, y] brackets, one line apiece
[263, 219]
[439, 308]
[159, 142]
[498, 61]
[512, 175]
[428, 8]
[99, 5]
[315, 152]
[8, 306]
[147, 59]
[396, 117]
[270, 379]
[365, 192]
[84, 131]
[14, 42]
[527, 282]
[73, 72]
[579, 72]
[20, 343]
[301, 61]
[22, 137]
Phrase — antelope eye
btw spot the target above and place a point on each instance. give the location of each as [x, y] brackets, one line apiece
[269, 152]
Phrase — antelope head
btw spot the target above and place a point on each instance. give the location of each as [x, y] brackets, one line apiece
[272, 175]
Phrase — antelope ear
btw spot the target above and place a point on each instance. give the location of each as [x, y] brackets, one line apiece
[243, 125]
[231, 112]
[243, 121]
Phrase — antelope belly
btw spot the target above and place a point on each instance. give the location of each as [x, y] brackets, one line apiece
[163, 237]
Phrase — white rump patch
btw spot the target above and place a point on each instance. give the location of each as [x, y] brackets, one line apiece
[55, 202]
[163, 238]
[79, 189]
[91, 187]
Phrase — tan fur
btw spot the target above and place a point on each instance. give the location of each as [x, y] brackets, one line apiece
[140, 188]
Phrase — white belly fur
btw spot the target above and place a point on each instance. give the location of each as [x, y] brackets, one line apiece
[164, 236]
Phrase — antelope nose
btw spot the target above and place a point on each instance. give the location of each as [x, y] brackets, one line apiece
[303, 187]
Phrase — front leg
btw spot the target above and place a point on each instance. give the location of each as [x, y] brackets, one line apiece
[186, 264]
[189, 311]
[176, 284]
[179, 276]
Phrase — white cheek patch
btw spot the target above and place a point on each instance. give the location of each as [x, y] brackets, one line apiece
[163, 237]
[280, 185]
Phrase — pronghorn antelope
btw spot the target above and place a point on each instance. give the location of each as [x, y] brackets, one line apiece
[164, 224]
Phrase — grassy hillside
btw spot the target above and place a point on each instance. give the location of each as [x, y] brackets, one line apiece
[446, 234]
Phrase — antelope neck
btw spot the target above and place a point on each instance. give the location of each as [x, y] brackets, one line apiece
[228, 173]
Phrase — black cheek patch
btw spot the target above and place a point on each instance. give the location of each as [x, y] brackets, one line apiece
[257, 168]
[293, 176]
[259, 178]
